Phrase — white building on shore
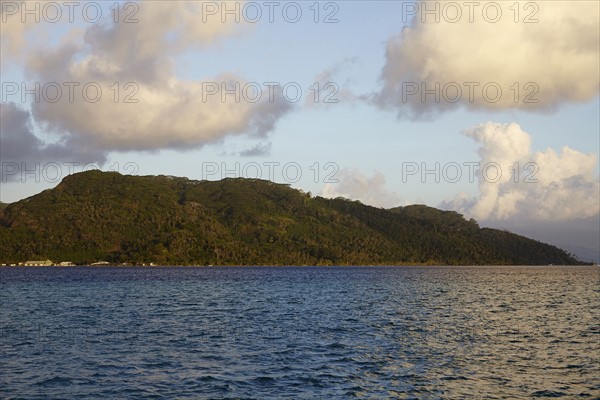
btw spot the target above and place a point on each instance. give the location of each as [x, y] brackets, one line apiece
[66, 264]
[46, 263]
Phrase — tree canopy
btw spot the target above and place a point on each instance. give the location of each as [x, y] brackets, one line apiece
[167, 220]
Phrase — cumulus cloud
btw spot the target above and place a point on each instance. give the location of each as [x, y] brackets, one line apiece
[518, 184]
[13, 40]
[175, 116]
[355, 185]
[139, 34]
[119, 90]
[553, 60]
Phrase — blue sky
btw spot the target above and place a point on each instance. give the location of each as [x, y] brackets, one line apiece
[367, 139]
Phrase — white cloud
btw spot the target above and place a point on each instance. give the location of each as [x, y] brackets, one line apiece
[175, 116]
[532, 186]
[166, 112]
[558, 55]
[13, 40]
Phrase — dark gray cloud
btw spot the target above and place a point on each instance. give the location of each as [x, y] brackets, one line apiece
[21, 150]
[259, 150]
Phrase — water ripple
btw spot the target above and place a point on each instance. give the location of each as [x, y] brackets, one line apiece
[300, 333]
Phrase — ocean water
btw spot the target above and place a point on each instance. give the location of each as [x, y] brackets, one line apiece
[300, 332]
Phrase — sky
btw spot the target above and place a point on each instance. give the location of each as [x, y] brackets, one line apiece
[488, 108]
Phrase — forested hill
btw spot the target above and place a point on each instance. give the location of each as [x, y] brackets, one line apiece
[96, 215]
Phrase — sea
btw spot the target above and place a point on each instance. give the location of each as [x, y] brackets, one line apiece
[299, 332]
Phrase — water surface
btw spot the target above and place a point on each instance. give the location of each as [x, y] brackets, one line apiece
[300, 332]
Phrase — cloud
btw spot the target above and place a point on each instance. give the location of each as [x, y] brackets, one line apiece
[16, 138]
[355, 185]
[13, 40]
[144, 28]
[331, 90]
[21, 150]
[553, 61]
[260, 149]
[520, 185]
[174, 117]
[125, 94]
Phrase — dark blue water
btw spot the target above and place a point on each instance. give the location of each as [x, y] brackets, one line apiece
[300, 333]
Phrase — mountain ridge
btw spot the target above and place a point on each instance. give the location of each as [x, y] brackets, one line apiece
[168, 220]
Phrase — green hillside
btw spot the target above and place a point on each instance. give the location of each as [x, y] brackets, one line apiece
[97, 215]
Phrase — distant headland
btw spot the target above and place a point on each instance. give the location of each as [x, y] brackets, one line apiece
[106, 218]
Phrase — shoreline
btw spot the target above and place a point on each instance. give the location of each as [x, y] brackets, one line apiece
[297, 266]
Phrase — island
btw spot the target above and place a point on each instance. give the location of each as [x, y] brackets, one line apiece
[109, 218]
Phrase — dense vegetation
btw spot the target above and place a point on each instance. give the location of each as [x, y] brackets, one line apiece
[97, 215]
